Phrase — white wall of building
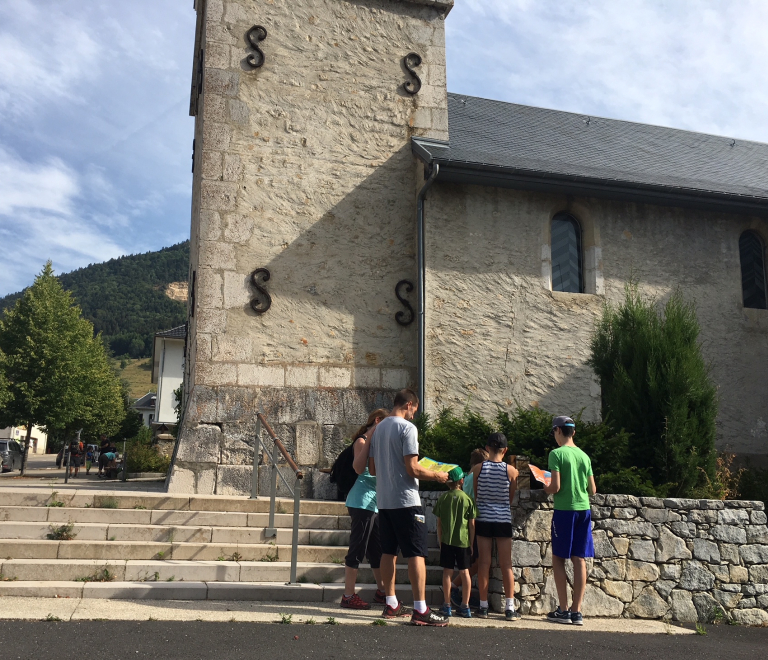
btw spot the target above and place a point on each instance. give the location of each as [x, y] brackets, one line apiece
[170, 375]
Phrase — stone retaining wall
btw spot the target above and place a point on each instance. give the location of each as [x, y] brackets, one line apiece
[678, 559]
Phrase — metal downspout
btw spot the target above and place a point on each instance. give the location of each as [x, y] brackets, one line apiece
[422, 266]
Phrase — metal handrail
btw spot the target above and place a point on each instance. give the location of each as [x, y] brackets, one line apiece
[278, 448]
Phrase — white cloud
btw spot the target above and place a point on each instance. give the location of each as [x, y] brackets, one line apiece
[39, 221]
[44, 56]
[694, 64]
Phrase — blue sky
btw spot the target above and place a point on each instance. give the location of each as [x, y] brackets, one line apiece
[96, 141]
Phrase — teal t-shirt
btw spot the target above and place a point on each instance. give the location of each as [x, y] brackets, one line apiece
[575, 469]
[469, 485]
[363, 493]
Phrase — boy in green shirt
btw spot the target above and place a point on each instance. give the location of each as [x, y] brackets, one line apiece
[456, 513]
[572, 483]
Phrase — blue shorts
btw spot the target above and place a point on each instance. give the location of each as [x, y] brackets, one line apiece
[572, 534]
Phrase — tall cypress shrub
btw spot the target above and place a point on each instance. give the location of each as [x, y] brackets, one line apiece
[657, 386]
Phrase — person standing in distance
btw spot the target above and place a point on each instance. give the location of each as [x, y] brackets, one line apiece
[394, 461]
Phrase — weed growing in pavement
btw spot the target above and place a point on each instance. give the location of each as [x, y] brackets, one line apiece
[108, 503]
[716, 615]
[54, 501]
[236, 556]
[221, 558]
[280, 508]
[151, 578]
[142, 508]
[379, 622]
[51, 617]
[89, 506]
[61, 533]
[336, 560]
[111, 538]
[286, 618]
[233, 620]
[104, 575]
[151, 619]
[160, 555]
[310, 622]
[269, 556]
[171, 579]
[700, 629]
[331, 621]
[302, 579]
[732, 622]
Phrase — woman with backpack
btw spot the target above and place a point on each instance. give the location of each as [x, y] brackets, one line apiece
[361, 504]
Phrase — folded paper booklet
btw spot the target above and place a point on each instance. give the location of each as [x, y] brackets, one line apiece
[436, 466]
[541, 475]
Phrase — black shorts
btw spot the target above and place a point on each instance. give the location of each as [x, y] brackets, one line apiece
[452, 556]
[404, 529]
[364, 539]
[493, 530]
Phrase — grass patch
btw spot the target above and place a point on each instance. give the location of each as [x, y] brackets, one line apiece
[54, 501]
[330, 621]
[286, 618]
[51, 617]
[138, 375]
[141, 508]
[104, 575]
[108, 503]
[61, 533]
[379, 622]
[310, 622]
[336, 560]
[700, 629]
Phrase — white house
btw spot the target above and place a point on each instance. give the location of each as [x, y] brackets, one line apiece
[37, 443]
[168, 372]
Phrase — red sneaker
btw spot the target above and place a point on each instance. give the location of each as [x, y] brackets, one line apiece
[429, 618]
[354, 603]
[400, 610]
[380, 597]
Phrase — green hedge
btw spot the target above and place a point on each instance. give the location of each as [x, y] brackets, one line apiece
[143, 455]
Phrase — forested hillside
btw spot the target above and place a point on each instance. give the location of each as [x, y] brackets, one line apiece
[125, 298]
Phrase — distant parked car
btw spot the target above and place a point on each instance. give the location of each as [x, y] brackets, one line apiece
[10, 455]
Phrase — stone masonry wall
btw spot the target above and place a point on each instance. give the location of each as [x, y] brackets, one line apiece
[303, 166]
[677, 559]
[498, 335]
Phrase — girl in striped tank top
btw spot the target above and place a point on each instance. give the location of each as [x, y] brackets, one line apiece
[495, 484]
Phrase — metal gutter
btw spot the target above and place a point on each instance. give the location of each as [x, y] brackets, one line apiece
[421, 256]
[507, 177]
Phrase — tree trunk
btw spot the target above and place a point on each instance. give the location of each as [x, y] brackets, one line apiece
[26, 449]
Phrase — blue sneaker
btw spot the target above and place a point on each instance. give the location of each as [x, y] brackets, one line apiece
[577, 619]
[456, 596]
[558, 616]
[464, 612]
[445, 610]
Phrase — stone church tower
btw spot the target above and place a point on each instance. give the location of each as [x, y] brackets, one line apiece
[303, 223]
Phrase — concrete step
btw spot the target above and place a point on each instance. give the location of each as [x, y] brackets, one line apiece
[170, 534]
[263, 552]
[62, 570]
[41, 497]
[265, 592]
[64, 515]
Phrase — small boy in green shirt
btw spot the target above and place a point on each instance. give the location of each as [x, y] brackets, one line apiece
[572, 483]
[456, 513]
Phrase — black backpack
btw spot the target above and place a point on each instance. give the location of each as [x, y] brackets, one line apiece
[342, 472]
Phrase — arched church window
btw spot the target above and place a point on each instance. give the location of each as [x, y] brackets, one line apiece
[752, 255]
[567, 270]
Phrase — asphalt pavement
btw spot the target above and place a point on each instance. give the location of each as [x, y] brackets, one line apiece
[194, 640]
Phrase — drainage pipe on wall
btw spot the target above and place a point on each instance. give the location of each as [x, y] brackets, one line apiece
[422, 266]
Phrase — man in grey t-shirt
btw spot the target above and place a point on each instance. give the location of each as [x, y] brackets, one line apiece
[394, 459]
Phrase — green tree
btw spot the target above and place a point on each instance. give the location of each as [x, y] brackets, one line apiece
[656, 385]
[58, 372]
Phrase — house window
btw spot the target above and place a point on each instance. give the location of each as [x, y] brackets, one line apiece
[567, 273]
[752, 255]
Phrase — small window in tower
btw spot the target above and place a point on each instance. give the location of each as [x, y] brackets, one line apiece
[752, 255]
[567, 274]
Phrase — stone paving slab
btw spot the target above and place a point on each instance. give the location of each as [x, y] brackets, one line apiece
[121, 610]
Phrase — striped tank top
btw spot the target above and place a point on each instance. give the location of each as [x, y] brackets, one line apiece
[493, 493]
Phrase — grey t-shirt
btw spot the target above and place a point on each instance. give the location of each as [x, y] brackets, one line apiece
[393, 439]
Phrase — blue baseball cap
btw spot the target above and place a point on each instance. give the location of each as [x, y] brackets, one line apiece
[562, 421]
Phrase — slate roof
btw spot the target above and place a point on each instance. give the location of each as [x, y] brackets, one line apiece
[592, 154]
[146, 402]
[179, 332]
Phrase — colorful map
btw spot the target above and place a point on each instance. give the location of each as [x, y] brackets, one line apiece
[436, 466]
